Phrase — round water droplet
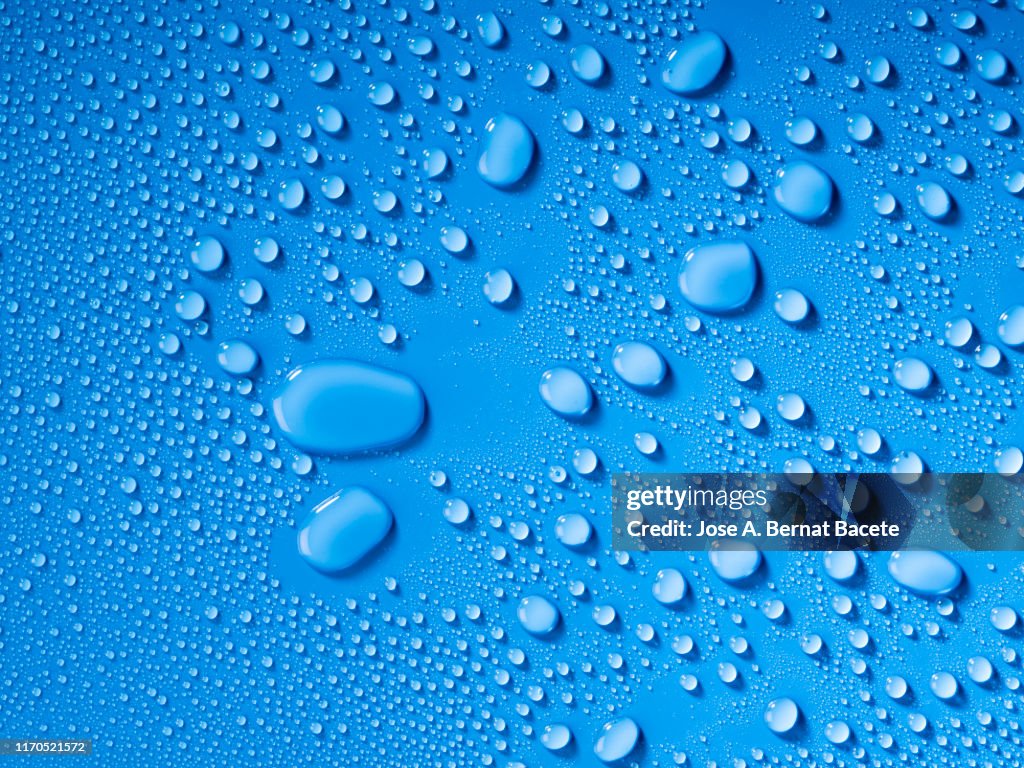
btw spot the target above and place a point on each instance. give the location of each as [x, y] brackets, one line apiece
[646, 443]
[782, 715]
[291, 194]
[734, 560]
[538, 615]
[742, 369]
[237, 357]
[556, 736]
[801, 131]
[207, 255]
[912, 374]
[343, 406]
[190, 305]
[804, 191]
[695, 64]
[1003, 618]
[266, 250]
[508, 149]
[627, 176]
[411, 273]
[878, 70]
[841, 565]
[791, 406]
[959, 332]
[719, 277]
[860, 127]
[979, 669]
[565, 392]
[791, 305]
[934, 200]
[638, 364]
[943, 685]
[587, 63]
[456, 511]
[992, 65]
[837, 732]
[925, 572]
[617, 739]
[1011, 326]
[669, 586]
[343, 529]
[573, 530]
[1009, 461]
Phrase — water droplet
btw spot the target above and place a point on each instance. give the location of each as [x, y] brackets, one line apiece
[782, 715]
[617, 739]
[638, 364]
[587, 63]
[925, 572]
[912, 374]
[695, 64]
[342, 406]
[719, 277]
[508, 149]
[565, 392]
[669, 586]
[804, 191]
[237, 357]
[343, 529]
[734, 560]
[208, 254]
[538, 615]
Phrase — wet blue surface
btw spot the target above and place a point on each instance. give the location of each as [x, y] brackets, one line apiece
[202, 198]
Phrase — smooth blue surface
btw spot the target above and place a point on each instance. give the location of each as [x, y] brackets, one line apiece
[152, 591]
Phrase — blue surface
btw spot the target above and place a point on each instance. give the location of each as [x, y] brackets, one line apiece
[152, 593]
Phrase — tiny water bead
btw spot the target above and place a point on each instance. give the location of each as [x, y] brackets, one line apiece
[638, 364]
[508, 150]
[207, 255]
[587, 63]
[538, 615]
[782, 715]
[912, 374]
[695, 64]
[804, 191]
[925, 572]
[344, 406]
[791, 305]
[719, 277]
[617, 739]
[565, 392]
[237, 357]
[343, 529]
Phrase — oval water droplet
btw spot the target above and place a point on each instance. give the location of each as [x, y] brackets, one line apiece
[508, 149]
[538, 615]
[342, 529]
[638, 364]
[695, 64]
[343, 406]
[925, 572]
[565, 392]
[617, 739]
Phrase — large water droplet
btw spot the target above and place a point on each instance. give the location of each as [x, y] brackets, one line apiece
[618, 738]
[912, 374]
[925, 572]
[343, 529]
[538, 615]
[638, 364]
[719, 277]
[782, 715]
[693, 66]
[343, 406]
[735, 561]
[566, 392]
[804, 191]
[508, 151]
